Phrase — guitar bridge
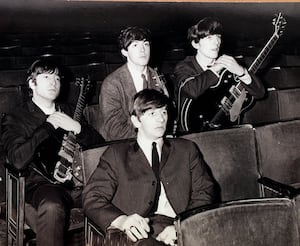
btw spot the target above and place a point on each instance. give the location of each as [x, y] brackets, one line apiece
[62, 173]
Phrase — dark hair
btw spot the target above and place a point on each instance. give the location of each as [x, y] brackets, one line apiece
[205, 27]
[40, 66]
[148, 99]
[129, 34]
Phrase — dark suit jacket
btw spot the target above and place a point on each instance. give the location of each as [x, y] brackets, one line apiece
[124, 182]
[115, 103]
[30, 141]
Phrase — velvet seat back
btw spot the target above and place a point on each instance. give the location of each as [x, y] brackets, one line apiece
[257, 222]
[278, 148]
[90, 158]
[231, 156]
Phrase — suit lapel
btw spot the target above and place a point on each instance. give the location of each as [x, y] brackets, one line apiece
[165, 153]
[137, 157]
[128, 80]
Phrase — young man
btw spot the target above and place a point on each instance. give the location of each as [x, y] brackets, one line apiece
[119, 87]
[32, 137]
[136, 192]
[197, 77]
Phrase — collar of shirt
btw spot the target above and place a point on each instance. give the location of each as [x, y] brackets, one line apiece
[46, 110]
[146, 146]
[137, 77]
[206, 67]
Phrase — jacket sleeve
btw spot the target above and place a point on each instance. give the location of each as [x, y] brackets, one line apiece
[192, 83]
[20, 148]
[116, 122]
[89, 135]
[203, 190]
[256, 88]
[98, 193]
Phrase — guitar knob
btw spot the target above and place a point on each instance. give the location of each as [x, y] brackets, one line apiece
[78, 168]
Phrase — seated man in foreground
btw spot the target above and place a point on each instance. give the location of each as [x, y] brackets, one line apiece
[127, 198]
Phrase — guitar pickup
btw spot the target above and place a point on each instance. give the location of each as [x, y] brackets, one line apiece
[64, 154]
[226, 104]
[235, 91]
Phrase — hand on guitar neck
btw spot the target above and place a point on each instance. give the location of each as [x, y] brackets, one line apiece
[59, 119]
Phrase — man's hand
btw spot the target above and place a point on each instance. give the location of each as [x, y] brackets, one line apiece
[59, 119]
[168, 236]
[135, 226]
[230, 64]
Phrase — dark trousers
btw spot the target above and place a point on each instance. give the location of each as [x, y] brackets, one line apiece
[53, 204]
[157, 223]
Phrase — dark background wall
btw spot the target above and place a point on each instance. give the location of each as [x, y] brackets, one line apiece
[241, 20]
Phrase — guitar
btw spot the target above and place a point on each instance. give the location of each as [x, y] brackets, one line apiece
[68, 166]
[225, 110]
[160, 81]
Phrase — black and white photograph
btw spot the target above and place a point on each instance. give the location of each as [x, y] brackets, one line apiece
[149, 123]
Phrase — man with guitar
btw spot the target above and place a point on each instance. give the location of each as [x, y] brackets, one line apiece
[119, 87]
[199, 79]
[32, 137]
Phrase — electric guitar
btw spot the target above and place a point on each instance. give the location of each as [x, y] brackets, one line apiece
[160, 81]
[69, 166]
[225, 109]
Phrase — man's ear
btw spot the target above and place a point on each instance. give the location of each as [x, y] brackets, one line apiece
[195, 45]
[124, 52]
[135, 121]
[31, 84]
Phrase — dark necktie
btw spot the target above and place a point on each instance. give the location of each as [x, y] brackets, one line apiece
[155, 167]
[145, 82]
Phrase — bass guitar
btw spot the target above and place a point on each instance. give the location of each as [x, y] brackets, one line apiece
[225, 109]
[69, 166]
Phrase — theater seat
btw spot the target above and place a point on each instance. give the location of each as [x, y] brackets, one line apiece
[278, 148]
[255, 222]
[282, 77]
[231, 156]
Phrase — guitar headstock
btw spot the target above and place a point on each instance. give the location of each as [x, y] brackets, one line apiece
[84, 84]
[279, 23]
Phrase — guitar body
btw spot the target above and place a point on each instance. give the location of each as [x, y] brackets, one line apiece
[209, 111]
[67, 169]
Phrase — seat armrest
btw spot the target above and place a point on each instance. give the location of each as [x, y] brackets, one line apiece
[282, 189]
[188, 213]
[14, 171]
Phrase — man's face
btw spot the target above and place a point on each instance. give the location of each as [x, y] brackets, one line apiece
[152, 124]
[210, 46]
[46, 86]
[138, 52]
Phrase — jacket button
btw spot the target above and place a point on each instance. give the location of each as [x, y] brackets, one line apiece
[150, 203]
[153, 183]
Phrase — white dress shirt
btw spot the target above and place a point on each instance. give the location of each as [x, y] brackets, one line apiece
[164, 206]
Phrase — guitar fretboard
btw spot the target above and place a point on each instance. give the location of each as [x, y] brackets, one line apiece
[263, 54]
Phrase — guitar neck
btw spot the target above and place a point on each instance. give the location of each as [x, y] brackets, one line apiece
[69, 143]
[263, 54]
[79, 108]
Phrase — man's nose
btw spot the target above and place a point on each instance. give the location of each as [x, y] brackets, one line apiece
[160, 117]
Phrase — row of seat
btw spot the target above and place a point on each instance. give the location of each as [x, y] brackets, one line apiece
[278, 105]
[236, 157]
[281, 102]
